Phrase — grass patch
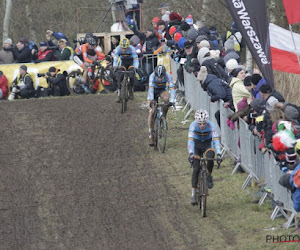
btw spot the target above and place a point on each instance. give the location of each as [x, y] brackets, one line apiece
[234, 221]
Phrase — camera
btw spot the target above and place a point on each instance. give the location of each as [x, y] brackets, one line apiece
[53, 48]
[79, 40]
[12, 94]
[43, 74]
[162, 40]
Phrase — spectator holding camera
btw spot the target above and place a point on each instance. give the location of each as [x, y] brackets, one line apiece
[6, 54]
[22, 52]
[57, 82]
[22, 86]
[44, 54]
[64, 52]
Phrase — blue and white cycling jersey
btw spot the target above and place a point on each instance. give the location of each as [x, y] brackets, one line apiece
[166, 83]
[208, 133]
[130, 53]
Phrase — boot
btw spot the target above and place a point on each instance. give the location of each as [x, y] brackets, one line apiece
[131, 96]
[118, 99]
[194, 200]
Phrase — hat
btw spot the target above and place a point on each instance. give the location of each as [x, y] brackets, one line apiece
[242, 104]
[201, 54]
[175, 16]
[290, 156]
[172, 30]
[236, 71]
[135, 40]
[258, 104]
[296, 179]
[177, 36]
[187, 44]
[265, 88]
[181, 42]
[24, 67]
[185, 26]
[155, 19]
[204, 43]
[255, 78]
[161, 22]
[62, 40]
[24, 41]
[163, 5]
[150, 29]
[8, 40]
[52, 69]
[202, 74]
[247, 81]
[189, 20]
[229, 44]
[43, 44]
[200, 38]
[291, 112]
[297, 148]
[192, 34]
[270, 103]
[231, 64]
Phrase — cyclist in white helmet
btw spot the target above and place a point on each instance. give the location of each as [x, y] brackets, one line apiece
[203, 139]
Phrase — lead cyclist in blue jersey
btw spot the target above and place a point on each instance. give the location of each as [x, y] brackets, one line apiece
[203, 140]
[125, 59]
[160, 83]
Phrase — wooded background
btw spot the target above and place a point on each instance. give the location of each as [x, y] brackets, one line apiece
[31, 18]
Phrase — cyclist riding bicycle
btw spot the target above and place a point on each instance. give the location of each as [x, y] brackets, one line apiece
[203, 140]
[86, 55]
[160, 83]
[125, 59]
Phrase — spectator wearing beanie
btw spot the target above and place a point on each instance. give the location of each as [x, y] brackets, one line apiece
[184, 26]
[271, 96]
[175, 19]
[230, 53]
[154, 22]
[162, 30]
[237, 85]
[24, 84]
[6, 54]
[164, 10]
[256, 83]
[291, 110]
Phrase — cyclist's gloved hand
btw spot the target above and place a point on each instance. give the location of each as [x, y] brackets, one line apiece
[171, 104]
[191, 158]
[219, 159]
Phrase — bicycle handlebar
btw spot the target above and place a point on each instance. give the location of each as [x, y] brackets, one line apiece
[197, 157]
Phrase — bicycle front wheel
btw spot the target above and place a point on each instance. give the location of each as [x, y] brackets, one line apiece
[124, 97]
[162, 135]
[155, 132]
[107, 80]
[204, 192]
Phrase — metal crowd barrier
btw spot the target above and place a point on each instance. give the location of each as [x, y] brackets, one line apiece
[247, 155]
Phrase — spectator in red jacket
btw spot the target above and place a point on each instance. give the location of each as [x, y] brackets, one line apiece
[3, 86]
[44, 54]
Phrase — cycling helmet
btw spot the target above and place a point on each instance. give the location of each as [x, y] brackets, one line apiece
[91, 41]
[124, 43]
[201, 116]
[160, 71]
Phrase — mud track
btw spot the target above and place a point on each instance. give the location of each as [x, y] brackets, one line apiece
[76, 174]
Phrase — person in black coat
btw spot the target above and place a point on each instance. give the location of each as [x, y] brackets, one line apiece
[22, 52]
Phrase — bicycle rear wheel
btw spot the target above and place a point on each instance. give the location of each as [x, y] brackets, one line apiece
[162, 135]
[124, 96]
[204, 192]
[155, 132]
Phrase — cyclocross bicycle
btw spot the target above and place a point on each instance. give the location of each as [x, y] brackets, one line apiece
[124, 94]
[96, 74]
[160, 126]
[202, 188]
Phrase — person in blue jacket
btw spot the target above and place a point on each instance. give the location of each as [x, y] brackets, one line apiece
[203, 140]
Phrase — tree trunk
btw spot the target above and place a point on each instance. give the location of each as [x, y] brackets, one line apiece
[32, 34]
[6, 19]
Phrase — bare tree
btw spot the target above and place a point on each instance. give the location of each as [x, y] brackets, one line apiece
[6, 20]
